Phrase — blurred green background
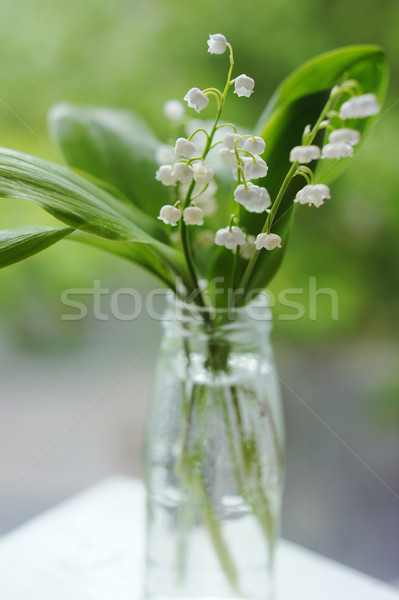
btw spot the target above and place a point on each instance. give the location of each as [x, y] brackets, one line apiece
[137, 54]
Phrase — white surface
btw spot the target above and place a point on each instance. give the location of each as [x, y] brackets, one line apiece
[90, 548]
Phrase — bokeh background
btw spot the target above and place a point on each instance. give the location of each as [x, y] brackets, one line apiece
[72, 398]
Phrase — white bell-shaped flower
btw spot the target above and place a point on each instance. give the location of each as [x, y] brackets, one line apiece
[227, 156]
[166, 175]
[230, 237]
[165, 155]
[203, 173]
[173, 110]
[304, 154]
[184, 148]
[360, 107]
[270, 241]
[247, 248]
[337, 150]
[254, 169]
[169, 214]
[196, 99]
[193, 215]
[244, 85]
[254, 198]
[217, 43]
[344, 135]
[255, 145]
[230, 140]
[313, 194]
[183, 172]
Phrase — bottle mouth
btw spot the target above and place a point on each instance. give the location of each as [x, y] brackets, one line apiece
[257, 312]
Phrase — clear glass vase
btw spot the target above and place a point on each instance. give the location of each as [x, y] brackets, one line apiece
[213, 457]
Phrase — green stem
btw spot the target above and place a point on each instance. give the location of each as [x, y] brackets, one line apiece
[267, 226]
[184, 234]
[186, 432]
[308, 139]
[219, 544]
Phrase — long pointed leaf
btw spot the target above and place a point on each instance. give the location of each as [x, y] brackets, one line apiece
[19, 244]
[112, 144]
[78, 203]
[139, 254]
[297, 102]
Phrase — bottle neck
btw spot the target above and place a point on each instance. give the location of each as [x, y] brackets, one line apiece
[244, 329]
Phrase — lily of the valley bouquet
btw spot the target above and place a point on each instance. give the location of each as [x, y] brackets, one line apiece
[221, 203]
[208, 213]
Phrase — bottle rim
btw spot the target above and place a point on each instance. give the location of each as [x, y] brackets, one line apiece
[258, 311]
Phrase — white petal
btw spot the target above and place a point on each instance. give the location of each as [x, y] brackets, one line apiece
[203, 173]
[165, 175]
[360, 107]
[193, 215]
[348, 136]
[255, 145]
[184, 148]
[227, 156]
[169, 214]
[183, 172]
[269, 241]
[217, 43]
[337, 150]
[304, 154]
[244, 85]
[196, 99]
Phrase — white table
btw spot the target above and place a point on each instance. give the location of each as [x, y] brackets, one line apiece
[90, 548]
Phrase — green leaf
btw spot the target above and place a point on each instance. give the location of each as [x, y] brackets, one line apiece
[63, 194]
[140, 254]
[18, 244]
[297, 102]
[114, 145]
[81, 204]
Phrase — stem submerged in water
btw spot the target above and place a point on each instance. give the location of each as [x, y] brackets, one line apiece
[207, 403]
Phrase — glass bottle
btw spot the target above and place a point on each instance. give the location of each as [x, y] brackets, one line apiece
[213, 456]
